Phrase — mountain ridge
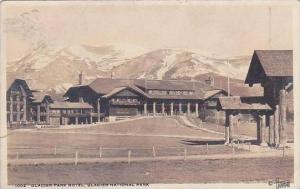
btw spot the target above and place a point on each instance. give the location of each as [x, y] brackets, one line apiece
[56, 69]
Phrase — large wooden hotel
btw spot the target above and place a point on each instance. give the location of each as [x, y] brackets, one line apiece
[107, 99]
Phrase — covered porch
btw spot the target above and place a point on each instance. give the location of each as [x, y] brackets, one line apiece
[261, 111]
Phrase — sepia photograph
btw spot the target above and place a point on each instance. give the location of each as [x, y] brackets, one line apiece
[144, 93]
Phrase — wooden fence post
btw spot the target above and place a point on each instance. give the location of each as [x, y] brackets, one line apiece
[76, 157]
[100, 152]
[185, 153]
[153, 151]
[207, 148]
[129, 156]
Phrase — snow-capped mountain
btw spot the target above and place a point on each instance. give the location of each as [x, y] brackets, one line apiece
[53, 68]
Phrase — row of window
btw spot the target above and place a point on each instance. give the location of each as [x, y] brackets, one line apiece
[15, 98]
[15, 108]
[70, 111]
[170, 92]
[124, 99]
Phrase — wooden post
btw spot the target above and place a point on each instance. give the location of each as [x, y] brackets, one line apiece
[263, 130]
[100, 152]
[172, 107]
[180, 108]
[153, 151]
[258, 129]
[227, 128]
[188, 108]
[218, 118]
[271, 130]
[91, 118]
[282, 117]
[154, 108]
[276, 125]
[207, 147]
[38, 116]
[185, 152]
[129, 156]
[98, 110]
[231, 129]
[47, 114]
[11, 109]
[24, 109]
[249, 146]
[197, 109]
[237, 127]
[145, 108]
[163, 108]
[76, 157]
[18, 108]
[76, 120]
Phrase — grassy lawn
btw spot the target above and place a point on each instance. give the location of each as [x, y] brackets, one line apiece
[145, 133]
[191, 171]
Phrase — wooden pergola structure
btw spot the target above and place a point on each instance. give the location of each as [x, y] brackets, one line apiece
[273, 69]
[260, 110]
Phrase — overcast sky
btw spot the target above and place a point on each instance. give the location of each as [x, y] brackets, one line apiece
[220, 30]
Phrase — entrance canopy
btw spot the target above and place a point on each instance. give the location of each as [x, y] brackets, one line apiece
[243, 104]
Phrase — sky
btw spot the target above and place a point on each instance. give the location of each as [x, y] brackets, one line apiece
[220, 30]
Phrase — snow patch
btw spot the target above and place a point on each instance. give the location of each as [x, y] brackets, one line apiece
[168, 62]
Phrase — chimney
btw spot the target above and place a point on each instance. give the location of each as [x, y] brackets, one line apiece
[80, 78]
[210, 81]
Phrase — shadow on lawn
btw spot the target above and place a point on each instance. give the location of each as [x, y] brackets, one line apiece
[210, 142]
[202, 142]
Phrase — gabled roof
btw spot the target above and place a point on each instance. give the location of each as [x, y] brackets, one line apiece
[23, 84]
[108, 86]
[180, 85]
[119, 89]
[70, 105]
[243, 103]
[270, 63]
[39, 97]
[77, 88]
[213, 92]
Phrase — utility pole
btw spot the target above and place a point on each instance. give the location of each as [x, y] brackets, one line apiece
[269, 29]
[228, 79]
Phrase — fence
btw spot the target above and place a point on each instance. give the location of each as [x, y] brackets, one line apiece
[17, 153]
